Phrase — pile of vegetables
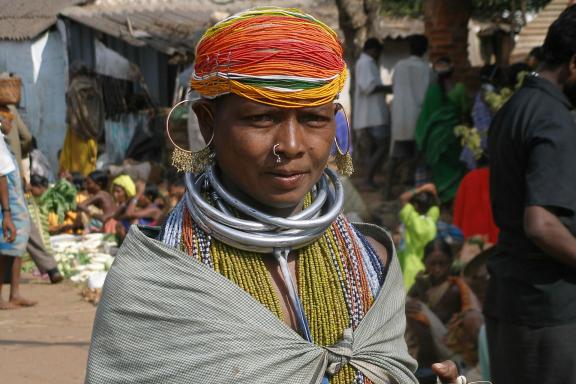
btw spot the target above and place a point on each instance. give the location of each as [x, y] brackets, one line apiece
[60, 199]
[80, 257]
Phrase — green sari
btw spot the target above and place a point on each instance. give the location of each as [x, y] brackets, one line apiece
[435, 137]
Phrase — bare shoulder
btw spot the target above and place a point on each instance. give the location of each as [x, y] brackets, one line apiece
[379, 248]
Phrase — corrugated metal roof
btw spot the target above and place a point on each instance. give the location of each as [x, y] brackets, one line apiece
[173, 26]
[170, 26]
[533, 34]
[26, 19]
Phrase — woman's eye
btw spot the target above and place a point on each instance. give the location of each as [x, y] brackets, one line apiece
[316, 120]
[260, 119]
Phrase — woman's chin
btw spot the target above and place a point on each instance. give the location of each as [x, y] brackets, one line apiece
[282, 201]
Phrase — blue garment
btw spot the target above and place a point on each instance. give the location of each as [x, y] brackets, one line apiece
[482, 117]
[20, 216]
[449, 233]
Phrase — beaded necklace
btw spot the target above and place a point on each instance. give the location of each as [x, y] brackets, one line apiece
[338, 276]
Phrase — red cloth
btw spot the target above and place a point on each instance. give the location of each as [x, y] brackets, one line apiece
[472, 208]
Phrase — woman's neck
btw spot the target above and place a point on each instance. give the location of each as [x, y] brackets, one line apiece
[274, 211]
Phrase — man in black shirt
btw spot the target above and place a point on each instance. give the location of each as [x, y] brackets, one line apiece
[531, 301]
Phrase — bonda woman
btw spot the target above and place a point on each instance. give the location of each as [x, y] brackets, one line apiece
[256, 277]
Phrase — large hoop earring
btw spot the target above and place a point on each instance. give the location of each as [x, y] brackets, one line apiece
[184, 160]
[343, 159]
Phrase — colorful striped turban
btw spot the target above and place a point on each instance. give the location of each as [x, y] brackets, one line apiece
[275, 56]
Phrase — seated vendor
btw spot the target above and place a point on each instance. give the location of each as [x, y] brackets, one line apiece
[99, 204]
[443, 314]
[145, 208]
[123, 190]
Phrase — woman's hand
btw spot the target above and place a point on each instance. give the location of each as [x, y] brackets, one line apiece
[8, 228]
[428, 187]
[447, 372]
[413, 306]
[5, 126]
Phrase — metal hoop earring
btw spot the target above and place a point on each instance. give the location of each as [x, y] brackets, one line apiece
[278, 158]
[342, 159]
[188, 161]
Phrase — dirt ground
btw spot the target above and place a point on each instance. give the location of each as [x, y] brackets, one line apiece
[48, 343]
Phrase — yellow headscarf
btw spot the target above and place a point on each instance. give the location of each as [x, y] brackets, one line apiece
[127, 184]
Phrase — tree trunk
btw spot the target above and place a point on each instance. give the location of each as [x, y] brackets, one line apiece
[356, 19]
[446, 26]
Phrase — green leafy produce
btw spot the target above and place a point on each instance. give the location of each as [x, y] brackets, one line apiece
[470, 137]
[83, 258]
[60, 199]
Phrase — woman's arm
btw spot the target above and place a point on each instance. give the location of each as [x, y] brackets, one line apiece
[144, 213]
[408, 195]
[8, 228]
[83, 206]
[118, 214]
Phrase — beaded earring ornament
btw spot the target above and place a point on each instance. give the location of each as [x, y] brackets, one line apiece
[188, 161]
[342, 159]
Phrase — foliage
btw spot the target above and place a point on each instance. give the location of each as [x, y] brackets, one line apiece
[469, 136]
[402, 8]
[482, 8]
[60, 199]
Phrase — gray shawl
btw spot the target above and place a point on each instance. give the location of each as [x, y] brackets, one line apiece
[166, 318]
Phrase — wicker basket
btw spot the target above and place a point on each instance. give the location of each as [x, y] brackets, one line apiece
[10, 90]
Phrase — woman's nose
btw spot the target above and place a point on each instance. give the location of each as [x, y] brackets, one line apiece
[291, 138]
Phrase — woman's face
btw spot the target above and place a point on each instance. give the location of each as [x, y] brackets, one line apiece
[37, 190]
[119, 194]
[245, 134]
[438, 266]
[91, 186]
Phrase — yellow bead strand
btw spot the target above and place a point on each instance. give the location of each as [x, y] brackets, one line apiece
[318, 282]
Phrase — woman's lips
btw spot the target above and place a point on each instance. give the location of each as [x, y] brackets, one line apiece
[287, 180]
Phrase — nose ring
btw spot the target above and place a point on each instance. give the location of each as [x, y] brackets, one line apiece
[278, 158]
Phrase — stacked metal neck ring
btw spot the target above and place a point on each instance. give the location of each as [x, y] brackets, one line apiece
[261, 232]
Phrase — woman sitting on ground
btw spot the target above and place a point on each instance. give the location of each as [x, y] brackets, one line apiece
[99, 205]
[145, 208]
[443, 314]
[123, 190]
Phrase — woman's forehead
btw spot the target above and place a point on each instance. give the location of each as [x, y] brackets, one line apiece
[242, 103]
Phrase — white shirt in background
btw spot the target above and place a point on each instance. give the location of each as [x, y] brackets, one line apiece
[370, 109]
[6, 161]
[410, 82]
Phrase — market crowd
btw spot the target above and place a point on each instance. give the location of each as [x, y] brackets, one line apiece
[485, 234]
[480, 163]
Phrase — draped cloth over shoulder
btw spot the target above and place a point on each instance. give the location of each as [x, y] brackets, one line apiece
[166, 318]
